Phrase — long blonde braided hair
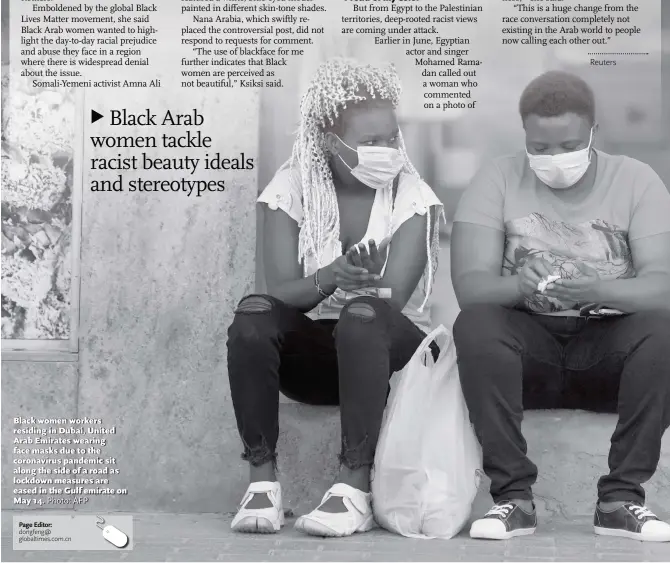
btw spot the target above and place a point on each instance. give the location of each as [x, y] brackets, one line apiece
[337, 83]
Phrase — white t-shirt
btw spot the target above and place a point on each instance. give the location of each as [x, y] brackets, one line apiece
[413, 196]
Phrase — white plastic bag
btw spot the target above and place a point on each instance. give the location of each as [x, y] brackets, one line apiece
[428, 460]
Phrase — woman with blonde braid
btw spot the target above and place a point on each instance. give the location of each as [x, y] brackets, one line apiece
[345, 307]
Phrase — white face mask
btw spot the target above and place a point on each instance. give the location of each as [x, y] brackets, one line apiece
[377, 166]
[561, 171]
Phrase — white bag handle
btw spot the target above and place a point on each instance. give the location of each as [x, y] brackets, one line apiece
[425, 345]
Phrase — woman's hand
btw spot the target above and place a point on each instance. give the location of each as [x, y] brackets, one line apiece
[372, 261]
[583, 289]
[533, 271]
[340, 273]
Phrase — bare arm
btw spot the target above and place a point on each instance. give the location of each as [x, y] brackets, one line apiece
[476, 263]
[650, 248]
[283, 272]
[649, 290]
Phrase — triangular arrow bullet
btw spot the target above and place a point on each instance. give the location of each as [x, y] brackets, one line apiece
[95, 116]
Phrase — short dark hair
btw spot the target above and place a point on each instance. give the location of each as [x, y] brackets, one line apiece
[556, 93]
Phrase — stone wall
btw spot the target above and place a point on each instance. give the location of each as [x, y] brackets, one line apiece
[160, 276]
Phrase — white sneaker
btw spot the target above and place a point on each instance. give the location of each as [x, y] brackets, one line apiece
[260, 520]
[504, 521]
[631, 520]
[357, 518]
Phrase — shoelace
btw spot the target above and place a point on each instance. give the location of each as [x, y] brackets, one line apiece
[641, 511]
[500, 509]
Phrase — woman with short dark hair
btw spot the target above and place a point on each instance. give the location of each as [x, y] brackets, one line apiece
[561, 266]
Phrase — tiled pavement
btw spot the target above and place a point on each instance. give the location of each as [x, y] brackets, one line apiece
[207, 537]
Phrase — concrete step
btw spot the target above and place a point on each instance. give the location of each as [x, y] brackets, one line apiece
[570, 449]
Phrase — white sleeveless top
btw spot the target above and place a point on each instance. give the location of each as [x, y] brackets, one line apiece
[413, 196]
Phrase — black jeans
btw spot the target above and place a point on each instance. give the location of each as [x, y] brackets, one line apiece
[510, 360]
[273, 346]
